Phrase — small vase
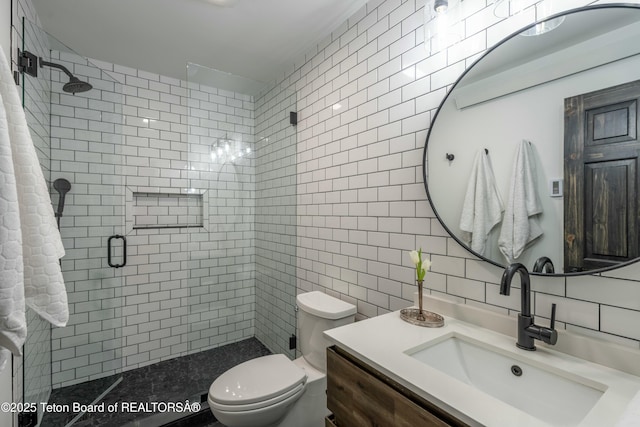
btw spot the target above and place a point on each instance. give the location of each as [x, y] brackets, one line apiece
[420, 315]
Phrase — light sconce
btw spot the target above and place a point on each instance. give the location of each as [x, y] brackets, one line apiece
[440, 6]
[227, 150]
[443, 24]
[542, 10]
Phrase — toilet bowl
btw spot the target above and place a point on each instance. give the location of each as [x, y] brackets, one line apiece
[256, 392]
[272, 390]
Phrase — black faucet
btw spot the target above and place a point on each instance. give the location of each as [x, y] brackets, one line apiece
[543, 265]
[527, 330]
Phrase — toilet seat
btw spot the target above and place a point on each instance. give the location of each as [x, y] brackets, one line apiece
[290, 395]
[257, 383]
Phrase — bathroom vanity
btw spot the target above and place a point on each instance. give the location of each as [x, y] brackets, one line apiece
[384, 371]
[359, 395]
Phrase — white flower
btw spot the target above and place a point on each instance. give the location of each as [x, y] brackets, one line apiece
[421, 266]
[415, 257]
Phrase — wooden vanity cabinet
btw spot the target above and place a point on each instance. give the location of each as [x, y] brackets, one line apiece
[360, 396]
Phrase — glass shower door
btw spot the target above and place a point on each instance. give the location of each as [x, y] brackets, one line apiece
[78, 137]
[242, 157]
[276, 220]
[220, 301]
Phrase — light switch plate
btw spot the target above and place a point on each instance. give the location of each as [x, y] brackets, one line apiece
[555, 187]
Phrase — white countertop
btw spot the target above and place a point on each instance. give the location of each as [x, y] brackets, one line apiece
[382, 342]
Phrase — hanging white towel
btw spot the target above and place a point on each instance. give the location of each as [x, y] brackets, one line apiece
[520, 225]
[29, 228]
[482, 208]
[13, 326]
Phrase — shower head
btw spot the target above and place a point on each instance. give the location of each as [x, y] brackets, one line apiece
[62, 186]
[75, 85]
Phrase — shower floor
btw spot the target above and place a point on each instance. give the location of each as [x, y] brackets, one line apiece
[175, 380]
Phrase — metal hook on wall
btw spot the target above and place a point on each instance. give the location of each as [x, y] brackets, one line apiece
[450, 157]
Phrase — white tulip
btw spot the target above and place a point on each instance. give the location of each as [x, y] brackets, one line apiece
[415, 258]
[426, 264]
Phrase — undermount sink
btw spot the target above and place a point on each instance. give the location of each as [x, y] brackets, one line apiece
[552, 395]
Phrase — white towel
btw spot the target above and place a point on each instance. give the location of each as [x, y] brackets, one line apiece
[482, 208]
[520, 225]
[631, 415]
[13, 326]
[31, 243]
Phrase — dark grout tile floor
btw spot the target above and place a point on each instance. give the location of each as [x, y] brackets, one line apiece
[176, 380]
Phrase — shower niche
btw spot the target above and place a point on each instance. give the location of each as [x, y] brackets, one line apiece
[155, 210]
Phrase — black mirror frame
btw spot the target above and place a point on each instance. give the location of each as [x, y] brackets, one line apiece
[435, 116]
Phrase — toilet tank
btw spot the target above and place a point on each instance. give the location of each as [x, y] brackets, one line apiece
[317, 313]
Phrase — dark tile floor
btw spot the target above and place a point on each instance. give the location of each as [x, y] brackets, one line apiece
[175, 380]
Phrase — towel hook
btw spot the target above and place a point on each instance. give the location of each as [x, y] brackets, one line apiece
[486, 151]
[450, 157]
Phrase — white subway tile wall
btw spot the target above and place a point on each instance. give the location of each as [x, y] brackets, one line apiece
[220, 258]
[186, 287]
[86, 151]
[366, 96]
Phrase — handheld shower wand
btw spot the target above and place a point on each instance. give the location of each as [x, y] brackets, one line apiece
[62, 186]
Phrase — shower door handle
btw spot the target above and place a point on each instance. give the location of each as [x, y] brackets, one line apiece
[124, 251]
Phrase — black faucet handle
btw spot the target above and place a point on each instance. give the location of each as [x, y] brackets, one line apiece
[550, 336]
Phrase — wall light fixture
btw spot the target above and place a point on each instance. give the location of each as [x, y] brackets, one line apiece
[443, 24]
[226, 150]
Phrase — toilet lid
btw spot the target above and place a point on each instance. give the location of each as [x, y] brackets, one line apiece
[257, 380]
[324, 306]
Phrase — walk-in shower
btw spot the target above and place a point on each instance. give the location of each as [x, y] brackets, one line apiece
[209, 277]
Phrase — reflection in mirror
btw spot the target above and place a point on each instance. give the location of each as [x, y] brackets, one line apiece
[516, 92]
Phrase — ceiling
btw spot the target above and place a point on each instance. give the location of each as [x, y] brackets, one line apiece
[254, 39]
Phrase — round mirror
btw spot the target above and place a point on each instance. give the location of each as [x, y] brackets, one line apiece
[533, 154]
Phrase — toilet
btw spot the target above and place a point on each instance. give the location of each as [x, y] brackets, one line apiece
[273, 391]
